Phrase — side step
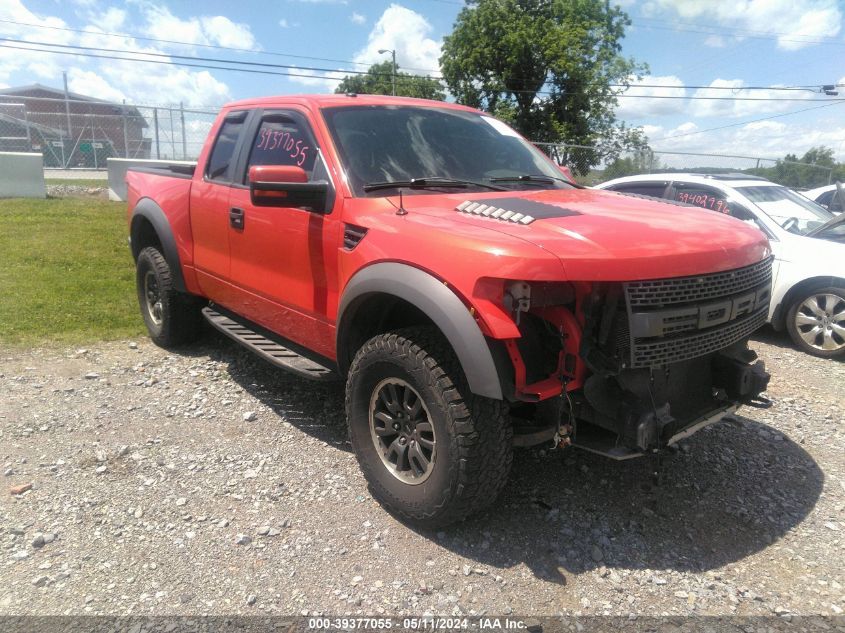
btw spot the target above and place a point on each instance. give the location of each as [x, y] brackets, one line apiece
[269, 349]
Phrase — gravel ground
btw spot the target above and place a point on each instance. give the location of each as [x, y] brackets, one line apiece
[207, 482]
[65, 190]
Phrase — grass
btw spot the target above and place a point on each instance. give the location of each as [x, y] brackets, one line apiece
[66, 274]
[82, 182]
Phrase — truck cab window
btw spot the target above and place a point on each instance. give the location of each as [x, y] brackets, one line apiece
[221, 161]
[284, 140]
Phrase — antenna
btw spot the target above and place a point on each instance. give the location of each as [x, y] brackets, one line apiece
[401, 210]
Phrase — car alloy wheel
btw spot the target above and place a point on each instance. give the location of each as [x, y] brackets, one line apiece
[820, 322]
[401, 429]
[152, 294]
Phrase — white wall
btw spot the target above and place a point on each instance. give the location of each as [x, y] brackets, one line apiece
[117, 173]
[22, 175]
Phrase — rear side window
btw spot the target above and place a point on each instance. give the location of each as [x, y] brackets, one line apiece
[703, 197]
[653, 189]
[222, 160]
[283, 140]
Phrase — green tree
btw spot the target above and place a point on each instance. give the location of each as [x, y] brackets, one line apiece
[378, 81]
[552, 68]
[815, 168]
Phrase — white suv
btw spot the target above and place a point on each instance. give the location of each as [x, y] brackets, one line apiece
[808, 243]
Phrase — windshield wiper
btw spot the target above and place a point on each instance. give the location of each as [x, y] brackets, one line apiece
[834, 221]
[430, 182]
[535, 178]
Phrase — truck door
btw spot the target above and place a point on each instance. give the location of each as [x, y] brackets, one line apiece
[283, 259]
[210, 217]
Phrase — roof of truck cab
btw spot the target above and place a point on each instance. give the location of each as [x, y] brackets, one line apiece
[338, 100]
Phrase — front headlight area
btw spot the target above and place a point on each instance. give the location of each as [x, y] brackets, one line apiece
[545, 354]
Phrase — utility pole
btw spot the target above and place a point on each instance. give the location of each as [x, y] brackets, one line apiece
[184, 140]
[392, 52]
[67, 111]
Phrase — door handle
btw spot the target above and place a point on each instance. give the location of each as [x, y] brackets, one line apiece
[236, 218]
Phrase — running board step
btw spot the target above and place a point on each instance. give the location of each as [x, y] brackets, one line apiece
[268, 349]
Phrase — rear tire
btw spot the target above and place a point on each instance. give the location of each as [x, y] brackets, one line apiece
[411, 381]
[816, 322]
[172, 317]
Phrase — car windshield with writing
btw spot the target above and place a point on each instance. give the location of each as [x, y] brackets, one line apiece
[790, 210]
[439, 147]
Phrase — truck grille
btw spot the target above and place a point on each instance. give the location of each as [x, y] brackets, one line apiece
[672, 320]
[654, 353]
[662, 292]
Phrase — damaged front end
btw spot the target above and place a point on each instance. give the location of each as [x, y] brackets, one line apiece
[640, 365]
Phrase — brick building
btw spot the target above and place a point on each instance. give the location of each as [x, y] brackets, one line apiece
[70, 130]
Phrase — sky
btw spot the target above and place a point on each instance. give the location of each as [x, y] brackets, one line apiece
[715, 44]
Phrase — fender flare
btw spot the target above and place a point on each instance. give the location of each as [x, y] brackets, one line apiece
[150, 211]
[437, 302]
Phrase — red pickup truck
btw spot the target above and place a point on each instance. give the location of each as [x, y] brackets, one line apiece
[472, 298]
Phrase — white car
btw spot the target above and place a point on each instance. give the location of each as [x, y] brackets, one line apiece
[808, 244]
[826, 197]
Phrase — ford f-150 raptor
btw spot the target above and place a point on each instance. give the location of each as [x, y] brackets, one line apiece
[472, 298]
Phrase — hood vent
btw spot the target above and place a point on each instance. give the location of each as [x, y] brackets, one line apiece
[491, 211]
[514, 210]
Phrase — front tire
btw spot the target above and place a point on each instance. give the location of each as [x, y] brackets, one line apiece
[816, 322]
[172, 317]
[431, 451]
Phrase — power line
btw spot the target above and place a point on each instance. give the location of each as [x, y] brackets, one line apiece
[767, 118]
[339, 61]
[673, 25]
[168, 63]
[217, 60]
[253, 67]
[180, 43]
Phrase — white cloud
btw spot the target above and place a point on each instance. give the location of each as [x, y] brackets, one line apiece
[357, 18]
[317, 81]
[284, 23]
[114, 79]
[791, 23]
[765, 139]
[217, 30]
[639, 106]
[112, 20]
[87, 82]
[400, 29]
[221, 30]
[725, 108]
[715, 41]
[34, 63]
[408, 33]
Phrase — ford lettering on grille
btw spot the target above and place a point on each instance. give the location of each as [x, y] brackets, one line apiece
[664, 322]
[675, 319]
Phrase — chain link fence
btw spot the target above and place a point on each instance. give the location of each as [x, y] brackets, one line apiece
[84, 133]
[76, 133]
[592, 165]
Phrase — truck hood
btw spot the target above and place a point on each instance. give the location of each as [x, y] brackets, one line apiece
[608, 236]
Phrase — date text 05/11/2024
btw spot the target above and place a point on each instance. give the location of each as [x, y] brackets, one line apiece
[419, 624]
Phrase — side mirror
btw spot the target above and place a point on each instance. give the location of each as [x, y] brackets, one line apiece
[567, 173]
[287, 186]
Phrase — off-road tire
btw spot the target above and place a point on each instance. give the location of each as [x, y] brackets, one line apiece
[180, 317]
[473, 434]
[793, 328]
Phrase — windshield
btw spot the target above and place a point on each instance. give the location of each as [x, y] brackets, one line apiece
[790, 210]
[379, 144]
